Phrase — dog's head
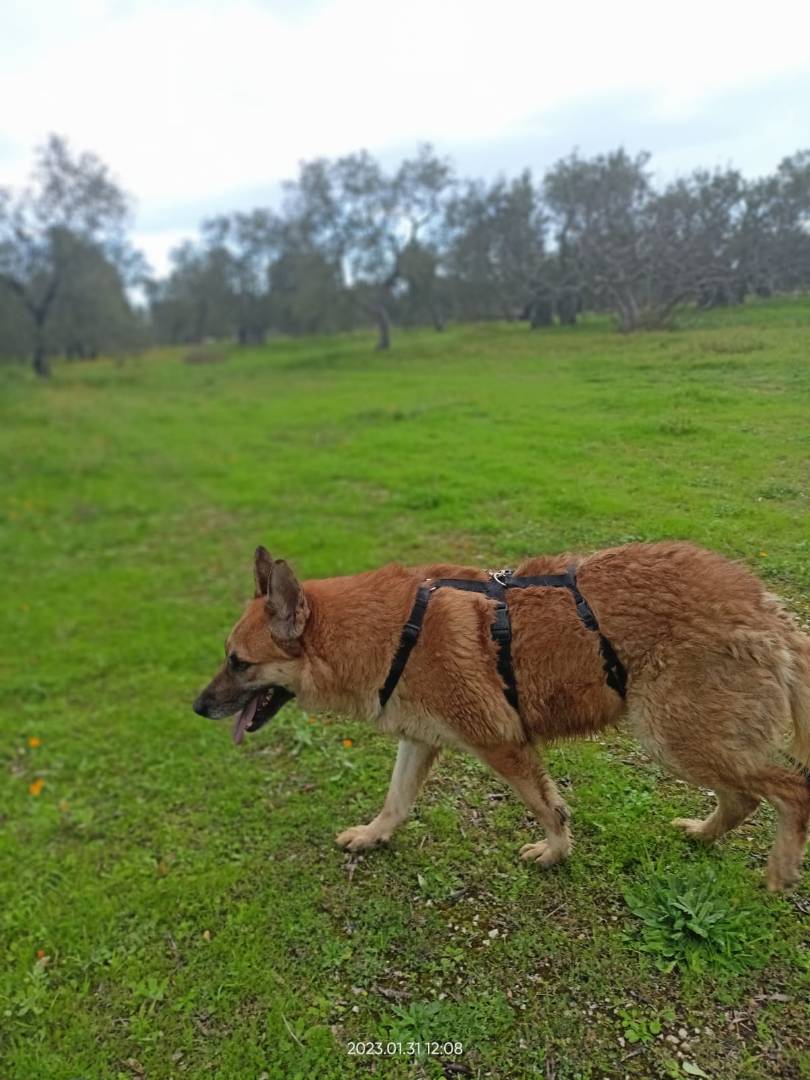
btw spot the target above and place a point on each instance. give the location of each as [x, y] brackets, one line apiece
[262, 653]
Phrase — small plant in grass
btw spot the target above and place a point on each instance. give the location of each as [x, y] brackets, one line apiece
[694, 925]
[640, 1027]
[302, 733]
[418, 1023]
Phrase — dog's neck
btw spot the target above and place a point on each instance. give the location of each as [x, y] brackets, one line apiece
[351, 636]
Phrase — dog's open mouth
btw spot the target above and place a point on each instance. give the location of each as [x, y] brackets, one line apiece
[259, 710]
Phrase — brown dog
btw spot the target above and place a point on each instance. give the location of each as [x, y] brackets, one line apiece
[717, 674]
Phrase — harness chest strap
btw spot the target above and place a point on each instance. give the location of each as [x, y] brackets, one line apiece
[501, 627]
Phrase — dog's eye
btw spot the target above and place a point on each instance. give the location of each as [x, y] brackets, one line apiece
[235, 664]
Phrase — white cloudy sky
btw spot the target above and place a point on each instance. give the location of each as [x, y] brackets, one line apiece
[201, 107]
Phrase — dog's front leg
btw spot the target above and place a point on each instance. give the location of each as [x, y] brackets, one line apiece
[522, 767]
[413, 763]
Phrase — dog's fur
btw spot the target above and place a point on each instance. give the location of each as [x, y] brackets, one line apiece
[718, 674]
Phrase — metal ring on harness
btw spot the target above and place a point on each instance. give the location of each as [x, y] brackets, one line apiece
[499, 575]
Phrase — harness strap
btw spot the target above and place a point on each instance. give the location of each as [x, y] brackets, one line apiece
[501, 627]
[501, 631]
[409, 637]
[615, 673]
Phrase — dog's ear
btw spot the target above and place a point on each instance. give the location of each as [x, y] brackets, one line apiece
[286, 605]
[262, 571]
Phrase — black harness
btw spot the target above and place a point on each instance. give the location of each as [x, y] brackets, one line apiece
[501, 627]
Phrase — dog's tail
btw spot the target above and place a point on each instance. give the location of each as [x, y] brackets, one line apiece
[800, 699]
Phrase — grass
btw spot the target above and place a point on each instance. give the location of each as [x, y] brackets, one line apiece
[171, 906]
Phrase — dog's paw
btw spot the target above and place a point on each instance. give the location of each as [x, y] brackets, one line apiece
[693, 827]
[544, 853]
[360, 838]
[780, 875]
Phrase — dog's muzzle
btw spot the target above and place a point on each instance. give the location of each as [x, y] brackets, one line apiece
[261, 707]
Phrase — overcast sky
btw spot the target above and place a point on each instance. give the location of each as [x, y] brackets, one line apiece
[204, 107]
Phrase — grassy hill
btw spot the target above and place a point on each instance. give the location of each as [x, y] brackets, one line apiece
[174, 906]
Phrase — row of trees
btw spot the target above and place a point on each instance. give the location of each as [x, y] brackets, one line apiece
[353, 244]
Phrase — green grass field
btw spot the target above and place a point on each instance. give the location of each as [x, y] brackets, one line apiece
[174, 906]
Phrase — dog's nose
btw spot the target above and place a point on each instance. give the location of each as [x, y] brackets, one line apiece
[200, 706]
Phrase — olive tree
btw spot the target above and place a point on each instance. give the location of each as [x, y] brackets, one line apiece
[71, 215]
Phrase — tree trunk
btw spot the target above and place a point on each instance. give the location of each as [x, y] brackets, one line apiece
[437, 318]
[42, 365]
[740, 290]
[541, 311]
[383, 326]
[625, 319]
[567, 305]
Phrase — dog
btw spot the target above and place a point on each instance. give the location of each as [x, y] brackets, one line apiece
[716, 677]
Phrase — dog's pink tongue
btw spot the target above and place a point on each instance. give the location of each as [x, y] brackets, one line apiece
[244, 719]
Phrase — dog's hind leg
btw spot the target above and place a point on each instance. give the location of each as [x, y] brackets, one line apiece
[716, 719]
[411, 767]
[789, 792]
[522, 768]
[733, 807]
